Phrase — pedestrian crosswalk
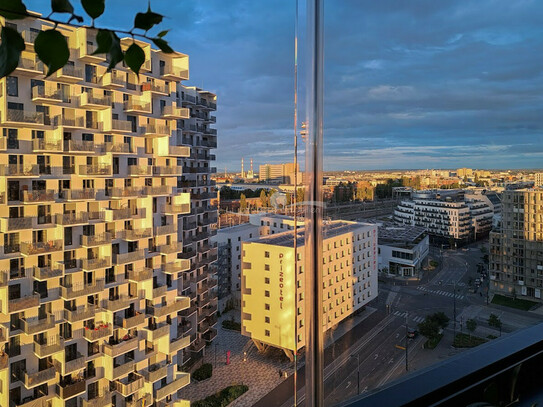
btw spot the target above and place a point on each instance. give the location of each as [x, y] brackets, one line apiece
[440, 292]
[415, 318]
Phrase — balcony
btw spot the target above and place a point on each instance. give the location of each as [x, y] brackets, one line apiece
[197, 345]
[137, 106]
[131, 322]
[127, 192]
[158, 190]
[179, 151]
[70, 389]
[125, 213]
[22, 303]
[116, 349]
[157, 331]
[95, 264]
[181, 380]
[13, 224]
[122, 369]
[39, 399]
[165, 230]
[140, 275]
[177, 344]
[174, 72]
[23, 117]
[45, 273]
[87, 49]
[78, 194]
[47, 95]
[210, 335]
[48, 347]
[138, 170]
[155, 372]
[69, 292]
[81, 313]
[188, 99]
[102, 400]
[113, 80]
[117, 148]
[32, 326]
[159, 311]
[94, 170]
[165, 170]
[38, 196]
[174, 247]
[129, 385]
[79, 146]
[173, 112]
[119, 303]
[96, 240]
[32, 380]
[155, 130]
[176, 209]
[70, 74]
[145, 400]
[158, 88]
[134, 234]
[46, 145]
[160, 291]
[176, 267]
[79, 362]
[29, 67]
[69, 219]
[33, 248]
[100, 330]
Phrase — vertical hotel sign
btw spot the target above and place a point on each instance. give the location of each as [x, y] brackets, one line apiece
[374, 249]
[281, 280]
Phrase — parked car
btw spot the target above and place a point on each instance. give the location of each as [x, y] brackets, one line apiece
[412, 333]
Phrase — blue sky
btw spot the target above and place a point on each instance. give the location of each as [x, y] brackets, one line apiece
[408, 84]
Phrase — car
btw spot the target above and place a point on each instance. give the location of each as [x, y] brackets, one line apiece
[412, 333]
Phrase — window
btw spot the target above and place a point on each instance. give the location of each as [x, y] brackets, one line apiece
[13, 86]
[266, 293]
[267, 332]
[267, 307]
[266, 280]
[267, 254]
[267, 320]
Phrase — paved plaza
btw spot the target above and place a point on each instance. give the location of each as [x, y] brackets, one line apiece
[259, 372]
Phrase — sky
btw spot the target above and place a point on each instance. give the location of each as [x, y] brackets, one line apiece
[408, 84]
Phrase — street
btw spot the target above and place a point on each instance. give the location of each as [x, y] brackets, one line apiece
[377, 344]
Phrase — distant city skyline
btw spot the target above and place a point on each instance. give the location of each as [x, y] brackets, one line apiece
[407, 83]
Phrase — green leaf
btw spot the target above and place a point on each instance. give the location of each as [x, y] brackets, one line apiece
[10, 50]
[115, 54]
[104, 39]
[163, 33]
[13, 9]
[52, 48]
[163, 45]
[147, 20]
[62, 6]
[94, 8]
[134, 58]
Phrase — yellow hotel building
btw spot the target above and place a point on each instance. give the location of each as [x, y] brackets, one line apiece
[106, 288]
[272, 293]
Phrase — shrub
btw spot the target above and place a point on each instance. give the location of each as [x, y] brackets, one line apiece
[233, 325]
[223, 397]
[203, 372]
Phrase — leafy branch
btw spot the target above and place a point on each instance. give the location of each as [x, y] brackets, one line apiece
[51, 45]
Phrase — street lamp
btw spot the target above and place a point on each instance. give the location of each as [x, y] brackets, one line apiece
[454, 308]
[357, 371]
[406, 342]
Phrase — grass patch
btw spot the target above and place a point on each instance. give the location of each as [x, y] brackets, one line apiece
[233, 325]
[223, 397]
[433, 342]
[467, 341]
[433, 264]
[524, 305]
[203, 372]
[491, 336]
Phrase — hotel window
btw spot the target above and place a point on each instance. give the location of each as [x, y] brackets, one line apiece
[12, 86]
[267, 333]
[266, 280]
[267, 307]
[267, 254]
[267, 320]
[266, 293]
[267, 267]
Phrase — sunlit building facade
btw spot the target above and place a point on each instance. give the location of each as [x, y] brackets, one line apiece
[272, 292]
[106, 286]
[516, 248]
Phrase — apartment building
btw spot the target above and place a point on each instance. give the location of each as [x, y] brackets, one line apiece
[272, 291]
[446, 216]
[100, 303]
[279, 173]
[538, 179]
[516, 249]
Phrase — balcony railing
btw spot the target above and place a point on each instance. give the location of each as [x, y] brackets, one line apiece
[32, 326]
[124, 368]
[177, 208]
[117, 147]
[174, 247]
[181, 380]
[35, 379]
[158, 331]
[140, 275]
[32, 248]
[129, 385]
[20, 170]
[155, 372]
[78, 194]
[100, 330]
[155, 130]
[165, 170]
[133, 321]
[179, 305]
[158, 190]
[138, 170]
[44, 273]
[102, 400]
[127, 192]
[49, 346]
[119, 303]
[24, 116]
[38, 196]
[71, 218]
[175, 112]
[96, 240]
[114, 350]
[94, 264]
[80, 313]
[137, 106]
[165, 230]
[177, 266]
[70, 292]
[134, 234]
[68, 390]
[95, 169]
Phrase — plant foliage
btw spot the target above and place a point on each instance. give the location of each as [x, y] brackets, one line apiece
[52, 47]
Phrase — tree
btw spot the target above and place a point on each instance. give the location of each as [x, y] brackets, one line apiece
[289, 199]
[51, 45]
[300, 195]
[263, 198]
[429, 328]
[471, 324]
[243, 203]
[495, 321]
[440, 319]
